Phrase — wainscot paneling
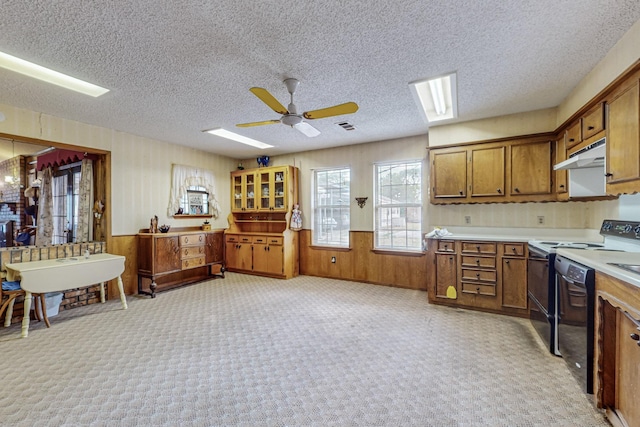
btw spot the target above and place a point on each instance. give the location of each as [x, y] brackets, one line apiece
[361, 263]
[128, 247]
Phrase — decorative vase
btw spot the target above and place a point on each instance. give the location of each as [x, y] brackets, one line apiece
[263, 160]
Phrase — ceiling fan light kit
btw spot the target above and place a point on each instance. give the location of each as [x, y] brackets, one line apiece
[290, 116]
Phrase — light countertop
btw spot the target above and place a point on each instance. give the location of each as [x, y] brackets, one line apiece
[499, 234]
[599, 260]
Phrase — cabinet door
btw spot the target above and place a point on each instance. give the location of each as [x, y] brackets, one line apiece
[531, 168]
[514, 283]
[243, 191]
[561, 175]
[445, 274]
[239, 256]
[574, 134]
[268, 259]
[273, 189]
[628, 369]
[449, 174]
[214, 248]
[167, 256]
[623, 139]
[487, 171]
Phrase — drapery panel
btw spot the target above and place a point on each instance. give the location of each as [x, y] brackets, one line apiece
[85, 202]
[184, 177]
[44, 232]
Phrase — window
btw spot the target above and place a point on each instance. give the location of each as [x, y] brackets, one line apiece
[195, 201]
[398, 206]
[331, 199]
[65, 187]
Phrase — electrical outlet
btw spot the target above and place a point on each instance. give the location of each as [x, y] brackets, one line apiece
[467, 219]
[540, 219]
[333, 260]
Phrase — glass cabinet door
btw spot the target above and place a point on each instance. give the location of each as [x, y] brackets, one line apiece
[273, 195]
[243, 188]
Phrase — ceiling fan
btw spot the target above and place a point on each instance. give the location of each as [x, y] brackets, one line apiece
[290, 116]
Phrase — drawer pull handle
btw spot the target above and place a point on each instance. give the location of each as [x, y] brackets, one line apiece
[499, 191]
[513, 248]
[635, 337]
[478, 261]
[590, 128]
[478, 289]
[507, 261]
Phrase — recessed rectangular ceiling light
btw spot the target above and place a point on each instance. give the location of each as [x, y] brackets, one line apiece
[239, 138]
[436, 97]
[41, 73]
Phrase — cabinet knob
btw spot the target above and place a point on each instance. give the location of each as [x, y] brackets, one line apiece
[450, 258]
[635, 337]
[478, 289]
[517, 190]
[590, 128]
[608, 174]
[478, 248]
[513, 248]
[478, 261]
[571, 139]
[499, 191]
[561, 185]
[507, 262]
[461, 192]
[478, 276]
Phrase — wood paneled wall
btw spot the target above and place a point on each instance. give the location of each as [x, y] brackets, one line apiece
[361, 263]
[128, 247]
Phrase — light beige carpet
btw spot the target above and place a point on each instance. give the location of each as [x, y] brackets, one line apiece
[252, 351]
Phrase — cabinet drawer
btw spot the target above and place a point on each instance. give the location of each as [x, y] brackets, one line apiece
[479, 275]
[593, 122]
[478, 248]
[192, 239]
[574, 135]
[232, 239]
[260, 240]
[192, 251]
[478, 261]
[446, 246]
[513, 249]
[275, 240]
[193, 262]
[478, 289]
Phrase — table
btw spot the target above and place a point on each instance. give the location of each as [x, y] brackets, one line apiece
[56, 275]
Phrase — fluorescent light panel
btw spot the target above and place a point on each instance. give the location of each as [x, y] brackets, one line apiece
[239, 138]
[41, 73]
[436, 97]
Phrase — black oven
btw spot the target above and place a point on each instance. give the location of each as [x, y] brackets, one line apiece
[576, 296]
[542, 296]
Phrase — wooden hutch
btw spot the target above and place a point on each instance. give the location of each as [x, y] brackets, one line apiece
[258, 240]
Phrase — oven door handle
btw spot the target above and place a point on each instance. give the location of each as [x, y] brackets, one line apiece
[568, 280]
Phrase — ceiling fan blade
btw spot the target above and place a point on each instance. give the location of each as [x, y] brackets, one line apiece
[266, 122]
[307, 129]
[336, 110]
[269, 99]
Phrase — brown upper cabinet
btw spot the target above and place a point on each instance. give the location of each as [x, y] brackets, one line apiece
[531, 169]
[516, 170]
[586, 126]
[561, 183]
[623, 140]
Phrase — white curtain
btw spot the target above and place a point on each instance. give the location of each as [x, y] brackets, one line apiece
[44, 232]
[85, 202]
[184, 177]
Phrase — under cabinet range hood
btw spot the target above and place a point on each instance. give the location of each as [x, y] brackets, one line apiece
[590, 156]
[585, 171]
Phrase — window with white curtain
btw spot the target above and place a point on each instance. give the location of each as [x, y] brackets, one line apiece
[331, 210]
[398, 206]
[192, 192]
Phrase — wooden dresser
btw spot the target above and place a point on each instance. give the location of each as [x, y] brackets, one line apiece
[180, 257]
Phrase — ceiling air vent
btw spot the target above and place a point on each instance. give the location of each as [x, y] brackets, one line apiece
[346, 126]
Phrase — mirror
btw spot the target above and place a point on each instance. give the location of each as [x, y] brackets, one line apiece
[19, 194]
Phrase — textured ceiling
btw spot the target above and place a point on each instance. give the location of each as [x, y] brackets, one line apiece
[186, 66]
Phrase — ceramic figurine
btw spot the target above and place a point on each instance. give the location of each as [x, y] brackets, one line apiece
[296, 218]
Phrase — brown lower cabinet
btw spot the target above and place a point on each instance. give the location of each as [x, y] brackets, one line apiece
[482, 275]
[168, 260]
[617, 352]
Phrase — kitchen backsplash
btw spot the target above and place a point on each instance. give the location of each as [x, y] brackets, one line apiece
[526, 215]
